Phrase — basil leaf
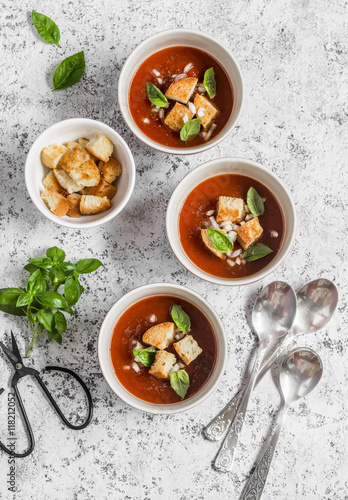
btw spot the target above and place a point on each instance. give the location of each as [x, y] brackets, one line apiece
[145, 356]
[45, 316]
[255, 202]
[180, 382]
[46, 28]
[72, 290]
[30, 268]
[180, 318]
[256, 252]
[56, 254]
[220, 240]
[85, 266]
[60, 322]
[8, 300]
[69, 71]
[36, 283]
[41, 262]
[68, 310]
[24, 299]
[67, 266]
[190, 129]
[57, 337]
[209, 82]
[156, 96]
[56, 277]
[51, 299]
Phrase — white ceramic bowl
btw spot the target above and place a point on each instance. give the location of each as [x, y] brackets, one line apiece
[172, 38]
[231, 166]
[105, 336]
[70, 130]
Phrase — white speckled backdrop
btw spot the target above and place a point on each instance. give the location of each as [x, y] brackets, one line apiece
[294, 59]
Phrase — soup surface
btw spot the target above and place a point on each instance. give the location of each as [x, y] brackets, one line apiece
[159, 69]
[129, 330]
[193, 217]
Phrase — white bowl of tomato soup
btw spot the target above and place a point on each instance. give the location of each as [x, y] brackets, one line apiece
[146, 383]
[206, 85]
[231, 221]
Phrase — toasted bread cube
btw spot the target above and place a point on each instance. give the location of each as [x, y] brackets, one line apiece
[103, 189]
[205, 110]
[188, 349]
[55, 202]
[66, 181]
[110, 170]
[90, 205]
[210, 245]
[229, 208]
[175, 119]
[249, 233]
[74, 205]
[164, 362]
[70, 145]
[74, 158]
[51, 155]
[82, 141]
[51, 182]
[87, 174]
[182, 90]
[100, 146]
[160, 336]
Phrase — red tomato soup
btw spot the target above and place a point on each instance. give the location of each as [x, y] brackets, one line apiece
[200, 211]
[129, 330]
[162, 68]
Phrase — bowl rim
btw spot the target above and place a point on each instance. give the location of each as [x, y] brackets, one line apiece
[167, 149]
[117, 209]
[174, 408]
[263, 273]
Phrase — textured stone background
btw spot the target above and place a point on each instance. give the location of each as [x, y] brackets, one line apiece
[295, 62]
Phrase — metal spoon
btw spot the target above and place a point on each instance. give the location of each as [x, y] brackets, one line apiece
[273, 315]
[300, 373]
[316, 304]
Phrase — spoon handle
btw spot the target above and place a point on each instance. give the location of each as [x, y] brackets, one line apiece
[225, 458]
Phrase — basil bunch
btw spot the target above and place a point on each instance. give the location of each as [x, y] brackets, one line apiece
[40, 301]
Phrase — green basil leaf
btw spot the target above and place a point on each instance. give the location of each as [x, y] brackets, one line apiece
[60, 322]
[56, 254]
[180, 382]
[256, 252]
[156, 96]
[8, 300]
[255, 202]
[41, 262]
[51, 299]
[56, 277]
[180, 318]
[30, 268]
[69, 71]
[72, 290]
[145, 356]
[46, 28]
[24, 299]
[36, 283]
[190, 129]
[67, 266]
[220, 240]
[85, 266]
[57, 337]
[209, 82]
[68, 310]
[45, 316]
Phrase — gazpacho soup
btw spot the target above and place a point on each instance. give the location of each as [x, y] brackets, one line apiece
[180, 97]
[163, 349]
[231, 226]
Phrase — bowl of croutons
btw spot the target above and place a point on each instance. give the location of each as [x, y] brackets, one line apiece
[80, 173]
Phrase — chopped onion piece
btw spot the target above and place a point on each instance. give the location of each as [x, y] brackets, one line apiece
[201, 88]
[232, 235]
[249, 217]
[135, 367]
[156, 72]
[192, 107]
[274, 234]
[210, 212]
[160, 80]
[180, 77]
[225, 223]
[238, 261]
[230, 262]
[174, 369]
[246, 208]
[161, 114]
[236, 253]
[126, 367]
[243, 261]
[152, 318]
[181, 365]
[200, 112]
[242, 223]
[188, 67]
[214, 223]
[146, 120]
[185, 119]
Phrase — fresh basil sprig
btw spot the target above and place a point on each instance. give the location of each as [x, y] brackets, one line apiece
[255, 202]
[180, 318]
[44, 307]
[156, 96]
[180, 382]
[190, 129]
[47, 28]
[220, 240]
[256, 252]
[209, 82]
[145, 356]
[69, 71]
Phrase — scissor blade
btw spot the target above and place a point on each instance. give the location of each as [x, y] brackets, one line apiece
[14, 360]
[15, 349]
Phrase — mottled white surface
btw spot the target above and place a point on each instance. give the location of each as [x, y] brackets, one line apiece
[294, 58]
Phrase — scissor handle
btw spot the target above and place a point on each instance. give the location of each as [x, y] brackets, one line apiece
[54, 404]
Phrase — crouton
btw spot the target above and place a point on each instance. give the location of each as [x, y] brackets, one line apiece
[205, 110]
[71, 145]
[160, 336]
[182, 90]
[249, 233]
[74, 205]
[51, 155]
[231, 209]
[74, 158]
[210, 245]
[110, 170]
[175, 119]
[66, 181]
[100, 146]
[103, 189]
[188, 349]
[164, 362]
[82, 141]
[55, 202]
[51, 182]
[86, 174]
[90, 205]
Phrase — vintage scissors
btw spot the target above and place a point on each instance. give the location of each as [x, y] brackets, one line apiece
[22, 371]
